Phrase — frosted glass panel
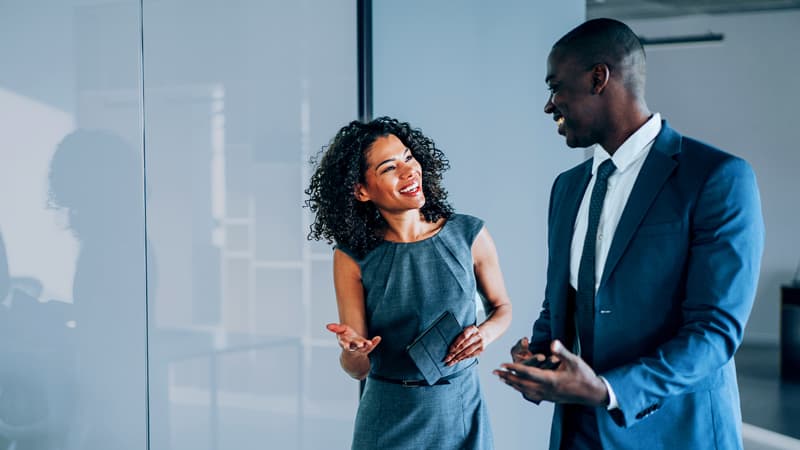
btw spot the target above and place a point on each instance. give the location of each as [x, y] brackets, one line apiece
[238, 96]
[72, 248]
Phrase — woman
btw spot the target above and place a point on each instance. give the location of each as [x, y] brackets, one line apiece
[402, 258]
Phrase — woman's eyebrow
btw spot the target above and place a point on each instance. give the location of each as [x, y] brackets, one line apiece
[390, 159]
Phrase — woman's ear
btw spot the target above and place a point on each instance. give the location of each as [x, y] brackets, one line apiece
[600, 76]
[361, 193]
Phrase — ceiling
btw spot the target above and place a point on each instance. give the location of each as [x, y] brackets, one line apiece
[651, 9]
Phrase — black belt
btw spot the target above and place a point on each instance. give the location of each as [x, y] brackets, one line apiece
[420, 383]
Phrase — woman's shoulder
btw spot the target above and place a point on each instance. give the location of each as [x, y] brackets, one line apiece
[465, 225]
[360, 258]
[349, 252]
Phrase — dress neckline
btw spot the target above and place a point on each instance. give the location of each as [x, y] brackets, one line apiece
[439, 231]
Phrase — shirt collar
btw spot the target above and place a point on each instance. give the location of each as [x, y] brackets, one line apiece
[632, 149]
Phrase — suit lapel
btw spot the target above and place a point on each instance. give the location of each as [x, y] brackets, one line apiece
[564, 222]
[654, 173]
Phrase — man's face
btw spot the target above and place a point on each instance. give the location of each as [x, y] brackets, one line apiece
[572, 103]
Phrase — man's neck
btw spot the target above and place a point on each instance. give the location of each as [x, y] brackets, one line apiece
[622, 128]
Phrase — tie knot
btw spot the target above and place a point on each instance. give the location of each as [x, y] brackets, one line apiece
[605, 170]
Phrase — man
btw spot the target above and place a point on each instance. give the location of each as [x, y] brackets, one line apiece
[654, 252]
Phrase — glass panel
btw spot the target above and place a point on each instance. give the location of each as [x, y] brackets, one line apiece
[239, 95]
[72, 252]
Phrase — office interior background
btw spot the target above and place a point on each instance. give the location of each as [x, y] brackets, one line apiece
[157, 287]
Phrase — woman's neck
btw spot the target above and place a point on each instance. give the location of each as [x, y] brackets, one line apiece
[408, 226]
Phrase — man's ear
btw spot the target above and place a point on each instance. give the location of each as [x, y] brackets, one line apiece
[361, 193]
[600, 76]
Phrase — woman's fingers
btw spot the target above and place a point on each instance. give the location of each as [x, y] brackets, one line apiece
[337, 328]
[468, 352]
[364, 346]
[356, 343]
[466, 338]
[468, 344]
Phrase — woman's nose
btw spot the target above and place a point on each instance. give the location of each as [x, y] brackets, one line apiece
[407, 170]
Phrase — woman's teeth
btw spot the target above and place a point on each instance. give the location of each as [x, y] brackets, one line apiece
[410, 188]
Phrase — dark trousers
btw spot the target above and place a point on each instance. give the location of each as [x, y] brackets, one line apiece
[579, 428]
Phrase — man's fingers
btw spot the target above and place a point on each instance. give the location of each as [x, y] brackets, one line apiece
[533, 373]
[520, 346]
[562, 353]
[524, 385]
[520, 352]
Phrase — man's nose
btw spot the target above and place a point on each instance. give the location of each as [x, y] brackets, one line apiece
[549, 106]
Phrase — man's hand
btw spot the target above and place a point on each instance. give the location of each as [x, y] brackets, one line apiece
[573, 381]
[520, 352]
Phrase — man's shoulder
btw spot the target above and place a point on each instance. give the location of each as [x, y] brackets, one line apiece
[695, 152]
[576, 172]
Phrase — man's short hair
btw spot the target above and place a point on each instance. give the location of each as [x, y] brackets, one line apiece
[610, 42]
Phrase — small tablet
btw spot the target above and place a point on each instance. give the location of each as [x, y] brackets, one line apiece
[429, 349]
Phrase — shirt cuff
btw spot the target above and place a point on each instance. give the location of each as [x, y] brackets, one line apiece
[612, 399]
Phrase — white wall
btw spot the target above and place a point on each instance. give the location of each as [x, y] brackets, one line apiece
[472, 78]
[740, 95]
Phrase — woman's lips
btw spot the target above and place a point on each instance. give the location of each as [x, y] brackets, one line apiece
[412, 189]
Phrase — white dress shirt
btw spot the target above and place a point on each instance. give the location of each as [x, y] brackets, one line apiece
[628, 159]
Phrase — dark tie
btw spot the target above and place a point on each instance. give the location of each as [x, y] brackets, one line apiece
[584, 298]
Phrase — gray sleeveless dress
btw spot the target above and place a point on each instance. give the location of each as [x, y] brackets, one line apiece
[407, 286]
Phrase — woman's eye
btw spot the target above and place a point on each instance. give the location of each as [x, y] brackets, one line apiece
[387, 169]
[409, 157]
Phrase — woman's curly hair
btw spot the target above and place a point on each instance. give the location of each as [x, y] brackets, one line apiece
[339, 216]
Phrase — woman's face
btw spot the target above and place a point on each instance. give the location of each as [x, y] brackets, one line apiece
[393, 179]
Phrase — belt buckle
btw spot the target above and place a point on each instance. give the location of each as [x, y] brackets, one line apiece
[410, 383]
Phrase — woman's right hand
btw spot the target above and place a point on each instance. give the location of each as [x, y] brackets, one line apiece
[350, 341]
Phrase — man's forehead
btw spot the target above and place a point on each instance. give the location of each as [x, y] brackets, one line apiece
[556, 62]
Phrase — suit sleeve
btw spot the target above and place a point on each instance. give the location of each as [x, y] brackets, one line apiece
[541, 335]
[726, 243]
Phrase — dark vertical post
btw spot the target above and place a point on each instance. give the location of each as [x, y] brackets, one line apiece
[364, 11]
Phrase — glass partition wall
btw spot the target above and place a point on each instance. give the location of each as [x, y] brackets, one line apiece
[156, 286]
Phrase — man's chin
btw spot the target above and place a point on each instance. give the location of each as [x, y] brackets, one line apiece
[576, 143]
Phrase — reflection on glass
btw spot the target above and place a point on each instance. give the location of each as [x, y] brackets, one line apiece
[237, 99]
[96, 177]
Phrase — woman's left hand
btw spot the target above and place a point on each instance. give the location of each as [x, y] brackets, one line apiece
[469, 344]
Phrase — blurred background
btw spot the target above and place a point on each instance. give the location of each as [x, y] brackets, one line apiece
[157, 290]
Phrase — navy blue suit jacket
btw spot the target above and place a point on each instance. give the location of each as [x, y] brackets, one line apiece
[675, 294]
